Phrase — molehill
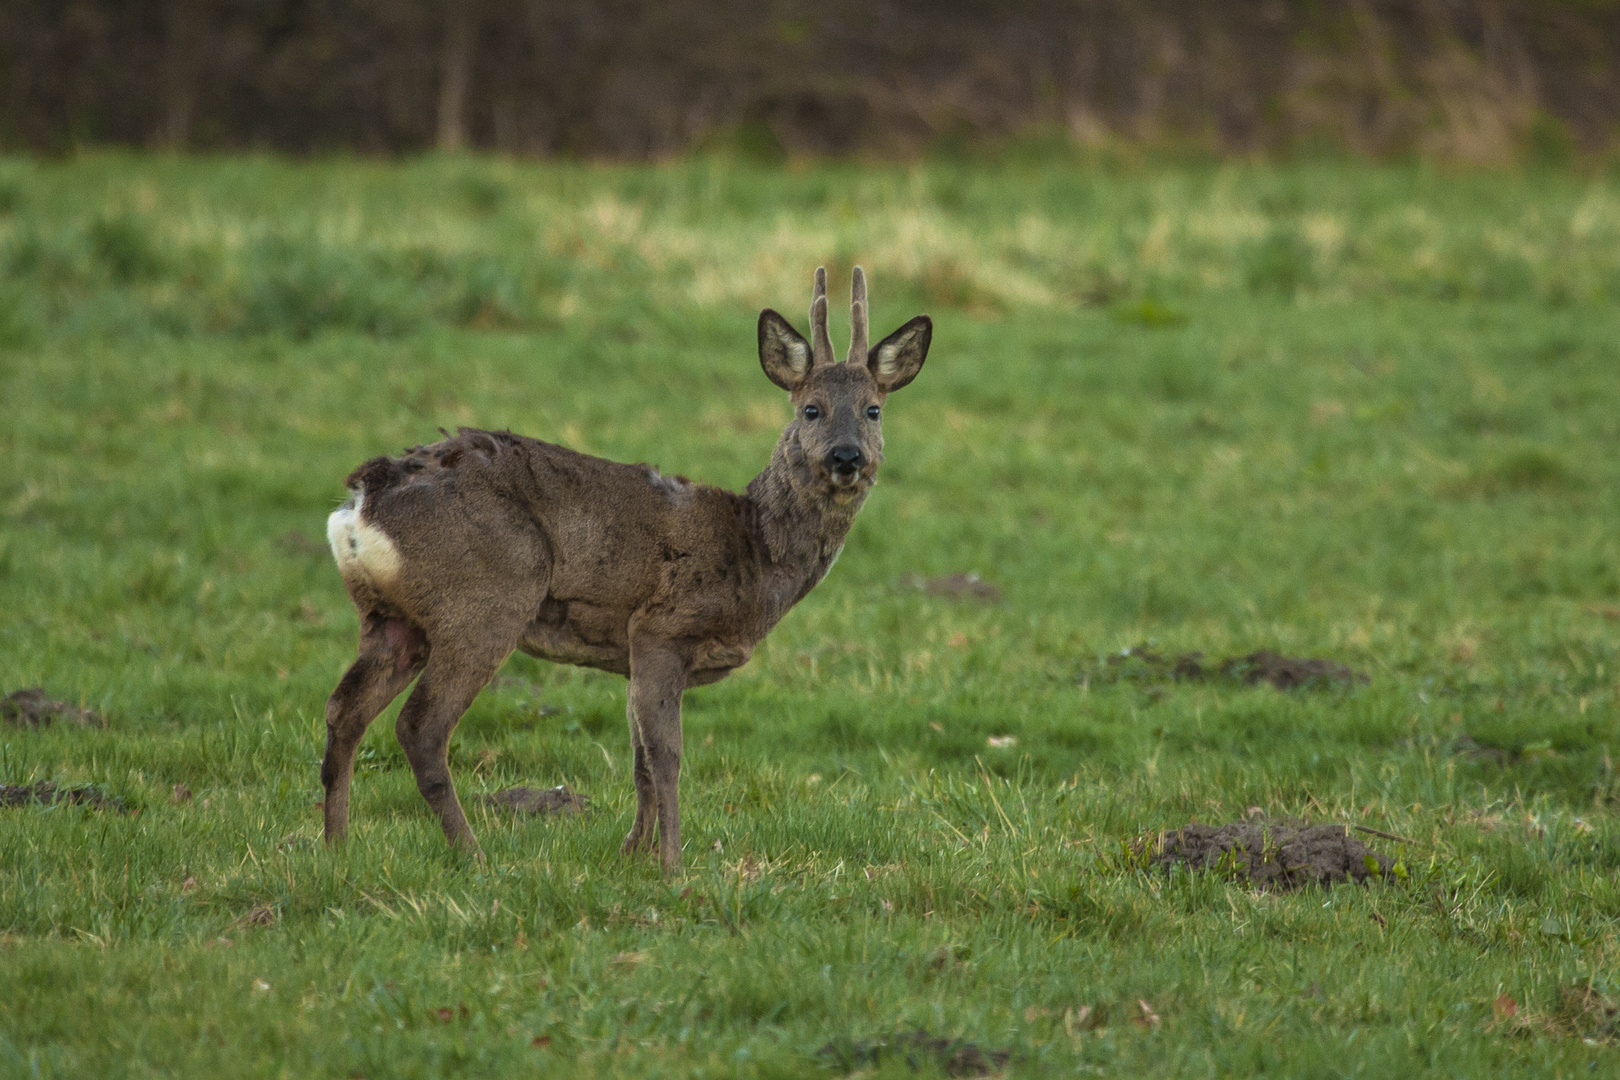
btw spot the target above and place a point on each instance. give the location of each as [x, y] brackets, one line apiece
[1270, 855]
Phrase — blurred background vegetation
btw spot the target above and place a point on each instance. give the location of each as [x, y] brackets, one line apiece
[1485, 81]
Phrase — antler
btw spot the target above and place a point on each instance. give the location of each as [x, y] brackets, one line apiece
[821, 350]
[857, 319]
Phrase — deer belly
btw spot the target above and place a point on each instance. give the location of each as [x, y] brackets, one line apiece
[556, 637]
[364, 553]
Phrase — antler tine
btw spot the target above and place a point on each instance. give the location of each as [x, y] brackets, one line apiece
[857, 319]
[821, 351]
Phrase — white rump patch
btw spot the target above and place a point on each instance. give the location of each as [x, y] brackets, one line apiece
[361, 549]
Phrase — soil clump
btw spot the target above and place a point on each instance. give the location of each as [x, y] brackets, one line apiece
[528, 800]
[955, 587]
[1270, 855]
[956, 1056]
[1465, 746]
[1262, 666]
[31, 708]
[1584, 1010]
[49, 794]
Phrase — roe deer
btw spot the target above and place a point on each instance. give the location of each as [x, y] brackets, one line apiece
[459, 552]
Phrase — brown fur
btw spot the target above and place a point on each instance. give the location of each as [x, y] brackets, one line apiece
[497, 542]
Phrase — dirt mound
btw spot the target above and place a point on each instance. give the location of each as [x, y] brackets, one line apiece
[1584, 1010]
[31, 708]
[956, 1056]
[1284, 672]
[1271, 855]
[1465, 746]
[528, 800]
[955, 587]
[48, 794]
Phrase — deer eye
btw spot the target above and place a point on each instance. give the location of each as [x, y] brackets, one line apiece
[873, 412]
[811, 412]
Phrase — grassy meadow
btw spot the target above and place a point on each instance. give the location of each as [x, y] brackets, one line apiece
[1335, 410]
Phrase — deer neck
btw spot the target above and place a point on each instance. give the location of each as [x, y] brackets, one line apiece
[801, 524]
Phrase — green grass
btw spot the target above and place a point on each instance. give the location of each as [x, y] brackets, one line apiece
[1362, 413]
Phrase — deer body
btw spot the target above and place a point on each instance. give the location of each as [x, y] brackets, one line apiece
[457, 553]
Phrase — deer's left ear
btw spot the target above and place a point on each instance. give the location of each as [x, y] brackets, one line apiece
[896, 359]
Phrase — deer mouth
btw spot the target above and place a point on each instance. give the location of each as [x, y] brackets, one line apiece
[845, 465]
[846, 483]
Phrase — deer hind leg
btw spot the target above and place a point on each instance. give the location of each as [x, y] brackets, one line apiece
[640, 837]
[657, 679]
[449, 683]
[391, 653]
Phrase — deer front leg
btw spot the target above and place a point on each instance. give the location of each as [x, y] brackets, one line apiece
[640, 837]
[657, 679]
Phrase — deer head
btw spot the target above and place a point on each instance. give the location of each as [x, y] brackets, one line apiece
[838, 407]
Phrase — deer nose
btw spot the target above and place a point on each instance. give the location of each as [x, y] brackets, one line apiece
[845, 459]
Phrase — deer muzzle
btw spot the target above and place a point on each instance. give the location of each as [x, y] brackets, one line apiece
[845, 464]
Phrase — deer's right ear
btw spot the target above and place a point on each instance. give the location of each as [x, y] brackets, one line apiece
[783, 354]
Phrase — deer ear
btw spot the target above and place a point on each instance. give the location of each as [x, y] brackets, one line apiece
[783, 354]
[896, 359]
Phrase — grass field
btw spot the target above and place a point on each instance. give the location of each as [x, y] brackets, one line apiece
[1361, 413]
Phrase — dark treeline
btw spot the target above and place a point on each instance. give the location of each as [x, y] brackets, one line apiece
[1482, 80]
